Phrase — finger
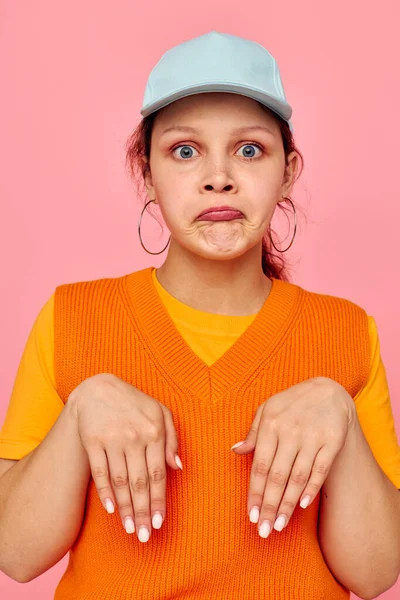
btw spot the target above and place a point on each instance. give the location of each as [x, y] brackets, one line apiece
[264, 454]
[101, 477]
[298, 479]
[120, 481]
[139, 488]
[320, 470]
[171, 441]
[276, 483]
[250, 441]
[156, 467]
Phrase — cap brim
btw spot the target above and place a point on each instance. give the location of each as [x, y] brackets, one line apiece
[283, 109]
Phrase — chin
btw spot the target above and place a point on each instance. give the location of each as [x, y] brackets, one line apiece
[221, 253]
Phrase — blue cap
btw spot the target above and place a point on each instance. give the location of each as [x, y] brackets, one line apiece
[216, 62]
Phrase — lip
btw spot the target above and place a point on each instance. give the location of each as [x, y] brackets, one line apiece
[218, 209]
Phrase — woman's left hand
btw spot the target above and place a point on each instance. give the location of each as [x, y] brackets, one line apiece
[297, 435]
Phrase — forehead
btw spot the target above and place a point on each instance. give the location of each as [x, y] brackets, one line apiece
[198, 109]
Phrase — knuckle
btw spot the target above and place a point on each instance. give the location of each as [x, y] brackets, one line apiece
[142, 513]
[124, 508]
[130, 435]
[289, 505]
[120, 479]
[253, 429]
[158, 474]
[272, 422]
[91, 441]
[140, 485]
[111, 438]
[313, 488]
[103, 488]
[123, 505]
[103, 377]
[278, 478]
[98, 472]
[260, 468]
[155, 432]
[299, 477]
[158, 502]
[256, 498]
[269, 508]
[321, 468]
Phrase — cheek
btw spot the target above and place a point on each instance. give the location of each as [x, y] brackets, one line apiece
[262, 187]
[170, 186]
[172, 207]
[262, 202]
[174, 197]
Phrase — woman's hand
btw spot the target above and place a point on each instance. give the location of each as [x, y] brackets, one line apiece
[128, 437]
[297, 435]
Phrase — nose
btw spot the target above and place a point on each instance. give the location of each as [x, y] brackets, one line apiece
[218, 174]
[219, 180]
[218, 188]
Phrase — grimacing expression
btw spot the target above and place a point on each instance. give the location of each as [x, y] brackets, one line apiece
[214, 149]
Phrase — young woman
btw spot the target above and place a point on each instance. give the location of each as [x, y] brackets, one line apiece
[239, 425]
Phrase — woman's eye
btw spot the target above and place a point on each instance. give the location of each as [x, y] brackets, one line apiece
[250, 146]
[187, 150]
[185, 153]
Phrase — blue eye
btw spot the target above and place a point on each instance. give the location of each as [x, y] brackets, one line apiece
[249, 146]
[186, 146]
[183, 146]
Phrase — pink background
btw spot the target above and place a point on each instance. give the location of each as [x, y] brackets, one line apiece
[73, 78]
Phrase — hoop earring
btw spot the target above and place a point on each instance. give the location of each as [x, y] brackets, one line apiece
[294, 233]
[269, 231]
[140, 237]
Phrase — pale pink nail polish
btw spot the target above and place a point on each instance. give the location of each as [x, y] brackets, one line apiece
[237, 445]
[305, 502]
[178, 462]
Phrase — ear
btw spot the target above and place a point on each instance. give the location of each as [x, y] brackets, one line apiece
[148, 179]
[290, 174]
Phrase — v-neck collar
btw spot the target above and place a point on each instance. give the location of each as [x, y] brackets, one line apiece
[176, 358]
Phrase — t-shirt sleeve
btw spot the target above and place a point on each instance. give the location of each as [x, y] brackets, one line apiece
[375, 414]
[34, 405]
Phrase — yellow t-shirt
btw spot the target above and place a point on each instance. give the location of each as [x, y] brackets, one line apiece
[35, 404]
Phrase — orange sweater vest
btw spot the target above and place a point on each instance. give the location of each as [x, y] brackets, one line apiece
[207, 548]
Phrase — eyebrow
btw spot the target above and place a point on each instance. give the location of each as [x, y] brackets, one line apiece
[186, 128]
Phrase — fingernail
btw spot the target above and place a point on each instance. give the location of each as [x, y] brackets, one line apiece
[254, 514]
[144, 534]
[129, 525]
[178, 461]
[109, 505]
[265, 529]
[280, 523]
[157, 520]
[305, 502]
[237, 445]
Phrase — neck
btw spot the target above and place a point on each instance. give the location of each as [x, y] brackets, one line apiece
[233, 287]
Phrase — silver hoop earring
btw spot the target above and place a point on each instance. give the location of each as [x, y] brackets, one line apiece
[140, 237]
[269, 231]
[294, 233]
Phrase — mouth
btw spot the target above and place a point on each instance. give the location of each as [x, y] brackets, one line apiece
[220, 213]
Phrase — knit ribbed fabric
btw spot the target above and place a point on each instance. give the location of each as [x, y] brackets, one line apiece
[207, 548]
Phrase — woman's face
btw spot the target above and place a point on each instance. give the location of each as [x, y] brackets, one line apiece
[214, 164]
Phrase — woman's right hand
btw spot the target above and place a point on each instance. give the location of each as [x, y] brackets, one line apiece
[128, 437]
